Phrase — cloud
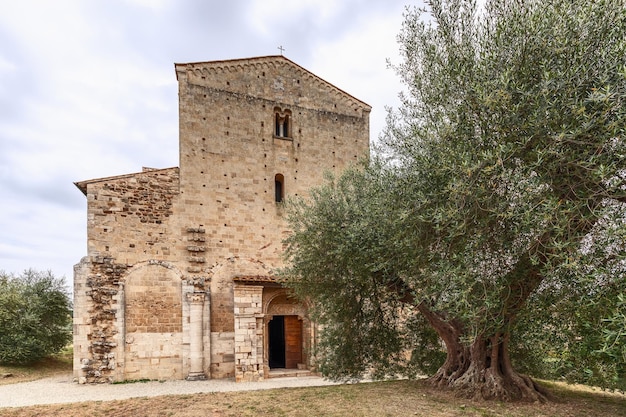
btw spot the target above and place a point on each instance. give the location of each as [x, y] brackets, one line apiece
[88, 90]
[308, 16]
[357, 62]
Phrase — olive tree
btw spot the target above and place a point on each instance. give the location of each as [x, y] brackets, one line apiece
[500, 179]
[35, 316]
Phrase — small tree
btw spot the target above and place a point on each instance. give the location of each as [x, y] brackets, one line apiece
[35, 316]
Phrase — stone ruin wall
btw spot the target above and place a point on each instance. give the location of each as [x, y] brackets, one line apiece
[128, 221]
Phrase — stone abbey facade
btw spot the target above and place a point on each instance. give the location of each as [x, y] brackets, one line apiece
[178, 279]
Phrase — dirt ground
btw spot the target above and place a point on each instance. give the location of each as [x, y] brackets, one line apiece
[392, 398]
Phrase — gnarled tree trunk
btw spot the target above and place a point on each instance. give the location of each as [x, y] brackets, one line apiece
[482, 370]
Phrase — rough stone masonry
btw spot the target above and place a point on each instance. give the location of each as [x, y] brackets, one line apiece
[178, 280]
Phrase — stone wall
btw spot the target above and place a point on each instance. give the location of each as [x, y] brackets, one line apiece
[162, 241]
[152, 327]
[248, 333]
[230, 155]
[129, 217]
[128, 223]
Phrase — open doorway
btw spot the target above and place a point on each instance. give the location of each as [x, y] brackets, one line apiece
[285, 342]
[277, 342]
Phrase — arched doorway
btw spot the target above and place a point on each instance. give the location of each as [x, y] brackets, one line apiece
[285, 342]
[287, 332]
[273, 335]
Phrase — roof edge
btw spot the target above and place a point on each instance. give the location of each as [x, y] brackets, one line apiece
[82, 185]
[259, 58]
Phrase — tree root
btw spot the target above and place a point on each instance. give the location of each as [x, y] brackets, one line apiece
[489, 385]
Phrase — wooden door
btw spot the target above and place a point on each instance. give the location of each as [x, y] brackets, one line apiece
[293, 342]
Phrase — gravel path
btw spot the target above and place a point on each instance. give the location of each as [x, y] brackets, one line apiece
[61, 389]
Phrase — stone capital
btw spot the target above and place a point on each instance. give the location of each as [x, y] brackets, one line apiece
[196, 297]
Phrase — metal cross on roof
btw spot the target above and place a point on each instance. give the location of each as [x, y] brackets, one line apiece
[281, 49]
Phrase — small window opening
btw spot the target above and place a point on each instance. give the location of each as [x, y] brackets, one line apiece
[279, 188]
[282, 123]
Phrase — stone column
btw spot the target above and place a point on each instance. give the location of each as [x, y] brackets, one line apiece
[196, 304]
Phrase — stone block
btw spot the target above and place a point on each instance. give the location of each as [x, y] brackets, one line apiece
[216, 215]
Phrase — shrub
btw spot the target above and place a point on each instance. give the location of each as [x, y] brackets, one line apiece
[35, 316]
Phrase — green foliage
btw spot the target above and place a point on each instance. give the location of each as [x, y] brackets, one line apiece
[497, 197]
[513, 135]
[574, 343]
[35, 316]
[574, 328]
[341, 243]
[512, 138]
[615, 333]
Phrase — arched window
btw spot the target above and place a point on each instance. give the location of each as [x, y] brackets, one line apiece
[281, 123]
[279, 188]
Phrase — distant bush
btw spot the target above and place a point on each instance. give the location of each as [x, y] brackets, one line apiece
[35, 316]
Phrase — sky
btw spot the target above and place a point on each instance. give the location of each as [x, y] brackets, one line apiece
[88, 90]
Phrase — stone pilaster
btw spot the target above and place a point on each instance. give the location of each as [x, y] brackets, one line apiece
[248, 333]
[196, 351]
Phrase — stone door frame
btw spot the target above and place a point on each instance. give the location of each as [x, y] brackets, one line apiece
[254, 307]
[276, 302]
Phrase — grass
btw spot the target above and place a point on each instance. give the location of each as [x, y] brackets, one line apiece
[133, 381]
[391, 398]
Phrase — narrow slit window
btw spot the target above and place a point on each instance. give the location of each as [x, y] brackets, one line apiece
[279, 188]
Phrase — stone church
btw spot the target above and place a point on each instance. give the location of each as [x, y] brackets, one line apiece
[178, 280]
